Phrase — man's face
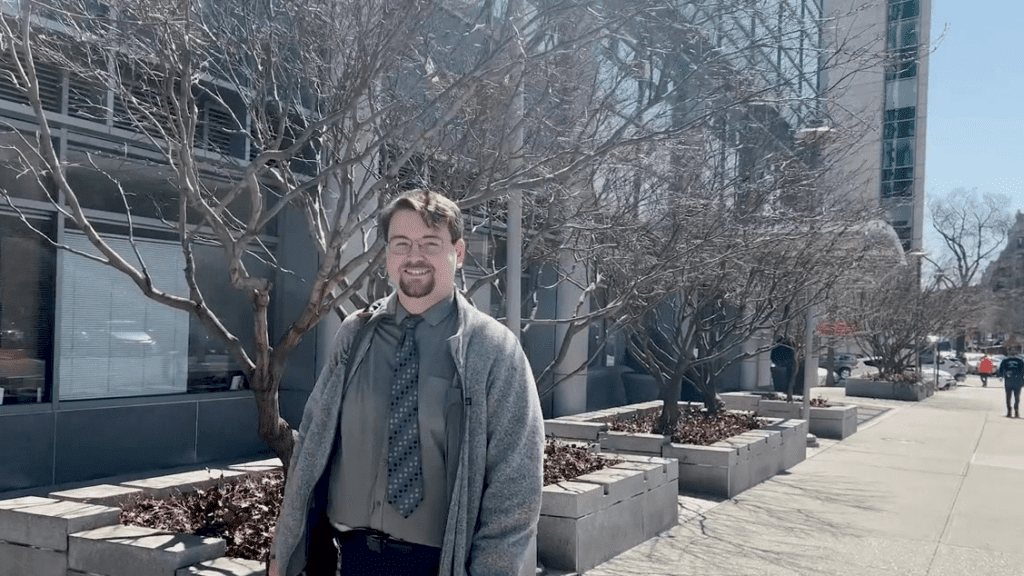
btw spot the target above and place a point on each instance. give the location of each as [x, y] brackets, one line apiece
[423, 279]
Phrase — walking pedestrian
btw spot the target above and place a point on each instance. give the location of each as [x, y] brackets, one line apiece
[1012, 371]
[421, 446]
[985, 369]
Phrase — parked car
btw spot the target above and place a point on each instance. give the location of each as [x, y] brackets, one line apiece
[842, 363]
[945, 379]
[954, 367]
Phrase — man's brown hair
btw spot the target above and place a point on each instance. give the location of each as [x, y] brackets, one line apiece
[434, 208]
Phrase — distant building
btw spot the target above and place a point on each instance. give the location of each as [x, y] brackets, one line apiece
[1006, 272]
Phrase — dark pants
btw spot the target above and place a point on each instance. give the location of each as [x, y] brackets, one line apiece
[366, 553]
[1012, 390]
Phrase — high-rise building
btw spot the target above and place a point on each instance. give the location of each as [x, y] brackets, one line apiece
[882, 97]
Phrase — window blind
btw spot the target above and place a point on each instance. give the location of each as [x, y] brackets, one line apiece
[114, 341]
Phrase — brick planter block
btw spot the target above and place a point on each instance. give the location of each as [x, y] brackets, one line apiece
[740, 401]
[136, 551]
[599, 515]
[634, 442]
[911, 391]
[794, 441]
[571, 499]
[46, 523]
[16, 560]
[575, 429]
[836, 422]
[163, 486]
[102, 494]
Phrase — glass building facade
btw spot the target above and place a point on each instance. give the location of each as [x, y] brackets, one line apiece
[900, 143]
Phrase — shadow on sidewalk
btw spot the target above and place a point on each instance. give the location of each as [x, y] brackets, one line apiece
[786, 525]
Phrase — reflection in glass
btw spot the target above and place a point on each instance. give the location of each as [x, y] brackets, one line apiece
[26, 312]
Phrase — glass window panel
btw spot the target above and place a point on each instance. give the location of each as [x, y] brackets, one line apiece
[905, 152]
[26, 312]
[146, 191]
[114, 341]
[902, 188]
[907, 70]
[889, 131]
[16, 181]
[901, 94]
[908, 33]
[905, 129]
[888, 154]
[210, 366]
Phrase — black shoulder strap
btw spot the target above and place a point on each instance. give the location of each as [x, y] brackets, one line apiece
[364, 316]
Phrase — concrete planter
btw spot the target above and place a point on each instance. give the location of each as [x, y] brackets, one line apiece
[76, 533]
[725, 468]
[835, 422]
[597, 516]
[911, 391]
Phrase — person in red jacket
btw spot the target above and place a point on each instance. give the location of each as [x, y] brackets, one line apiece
[985, 368]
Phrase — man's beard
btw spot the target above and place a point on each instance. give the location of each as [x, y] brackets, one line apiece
[417, 289]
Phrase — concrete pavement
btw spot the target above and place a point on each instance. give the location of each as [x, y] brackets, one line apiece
[931, 488]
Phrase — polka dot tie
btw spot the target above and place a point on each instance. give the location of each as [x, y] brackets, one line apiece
[405, 472]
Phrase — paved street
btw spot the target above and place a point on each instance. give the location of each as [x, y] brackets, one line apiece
[934, 488]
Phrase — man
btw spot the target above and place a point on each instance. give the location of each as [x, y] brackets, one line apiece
[1012, 371]
[445, 481]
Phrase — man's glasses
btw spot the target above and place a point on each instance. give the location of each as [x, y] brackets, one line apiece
[402, 247]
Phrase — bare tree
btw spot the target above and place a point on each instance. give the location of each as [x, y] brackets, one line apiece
[310, 113]
[894, 317]
[972, 228]
[265, 116]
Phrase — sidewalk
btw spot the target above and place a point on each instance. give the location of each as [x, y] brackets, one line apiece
[932, 488]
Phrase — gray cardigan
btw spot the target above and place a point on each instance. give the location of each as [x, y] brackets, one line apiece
[496, 483]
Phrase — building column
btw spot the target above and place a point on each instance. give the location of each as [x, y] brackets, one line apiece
[570, 397]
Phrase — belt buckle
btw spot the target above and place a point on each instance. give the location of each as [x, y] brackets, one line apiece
[375, 543]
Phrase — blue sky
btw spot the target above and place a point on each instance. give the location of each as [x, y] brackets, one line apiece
[975, 130]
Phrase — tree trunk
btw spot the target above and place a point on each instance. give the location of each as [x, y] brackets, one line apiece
[273, 429]
[670, 407]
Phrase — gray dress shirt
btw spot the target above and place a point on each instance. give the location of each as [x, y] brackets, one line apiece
[357, 496]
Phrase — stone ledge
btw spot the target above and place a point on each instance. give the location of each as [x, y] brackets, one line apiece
[135, 551]
[46, 523]
[17, 560]
[163, 486]
[575, 430]
[102, 494]
[257, 467]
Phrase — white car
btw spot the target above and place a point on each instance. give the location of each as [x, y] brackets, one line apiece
[945, 379]
[954, 367]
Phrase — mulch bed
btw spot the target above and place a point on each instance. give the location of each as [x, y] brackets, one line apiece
[244, 512]
[695, 426]
[564, 461]
[241, 512]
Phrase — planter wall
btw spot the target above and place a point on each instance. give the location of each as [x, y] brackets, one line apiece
[911, 391]
[597, 516]
[725, 468]
[76, 533]
[835, 422]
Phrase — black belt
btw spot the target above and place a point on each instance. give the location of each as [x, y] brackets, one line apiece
[382, 543]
